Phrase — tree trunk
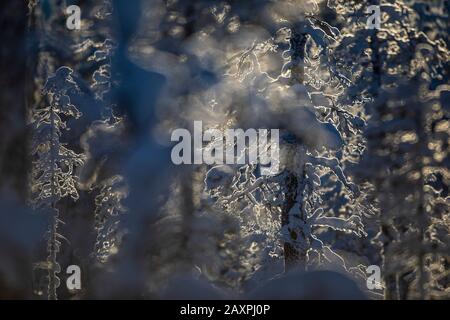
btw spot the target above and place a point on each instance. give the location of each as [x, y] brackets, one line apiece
[291, 255]
[297, 42]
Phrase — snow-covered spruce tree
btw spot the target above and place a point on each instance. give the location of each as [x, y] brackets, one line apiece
[386, 56]
[425, 66]
[407, 159]
[310, 147]
[54, 42]
[396, 52]
[53, 165]
[94, 52]
[113, 190]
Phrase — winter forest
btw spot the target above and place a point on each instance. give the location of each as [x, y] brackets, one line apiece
[92, 205]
